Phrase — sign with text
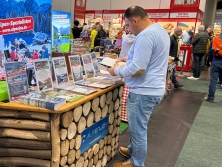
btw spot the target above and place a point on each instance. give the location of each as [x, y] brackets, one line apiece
[94, 134]
[158, 15]
[15, 25]
[183, 15]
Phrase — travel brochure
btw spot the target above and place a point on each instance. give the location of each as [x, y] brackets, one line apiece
[76, 67]
[43, 74]
[88, 65]
[50, 97]
[16, 78]
[40, 99]
[78, 89]
[93, 84]
[60, 70]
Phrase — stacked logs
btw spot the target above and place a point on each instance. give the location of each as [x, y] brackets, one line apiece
[25, 138]
[74, 122]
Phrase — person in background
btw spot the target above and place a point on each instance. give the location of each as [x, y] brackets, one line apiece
[209, 31]
[100, 35]
[13, 54]
[93, 36]
[44, 53]
[107, 32]
[27, 53]
[145, 75]
[174, 52]
[76, 31]
[186, 36]
[36, 54]
[215, 71]
[127, 41]
[120, 34]
[199, 49]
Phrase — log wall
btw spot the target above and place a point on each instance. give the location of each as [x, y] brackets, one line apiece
[53, 139]
[25, 138]
[74, 122]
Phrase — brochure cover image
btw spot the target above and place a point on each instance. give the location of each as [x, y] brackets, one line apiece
[43, 75]
[60, 69]
[76, 67]
[16, 80]
[88, 65]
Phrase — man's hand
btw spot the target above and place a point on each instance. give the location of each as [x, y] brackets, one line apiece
[111, 71]
[124, 59]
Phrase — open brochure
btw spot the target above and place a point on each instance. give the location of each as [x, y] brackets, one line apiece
[93, 84]
[78, 89]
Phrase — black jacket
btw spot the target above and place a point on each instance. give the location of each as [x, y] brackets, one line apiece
[76, 31]
[200, 43]
[100, 35]
[174, 46]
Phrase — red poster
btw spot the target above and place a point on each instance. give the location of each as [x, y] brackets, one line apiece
[15, 25]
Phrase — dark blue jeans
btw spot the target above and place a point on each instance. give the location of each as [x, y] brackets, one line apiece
[197, 59]
[214, 74]
[174, 78]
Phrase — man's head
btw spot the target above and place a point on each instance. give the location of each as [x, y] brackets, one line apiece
[76, 23]
[93, 27]
[178, 31]
[97, 23]
[201, 28]
[126, 29]
[209, 30]
[99, 27]
[136, 19]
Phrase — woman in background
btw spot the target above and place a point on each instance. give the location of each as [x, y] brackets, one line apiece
[93, 36]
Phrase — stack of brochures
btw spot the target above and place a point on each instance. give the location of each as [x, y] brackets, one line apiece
[107, 79]
[51, 100]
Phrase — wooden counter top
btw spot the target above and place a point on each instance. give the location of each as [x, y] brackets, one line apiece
[68, 106]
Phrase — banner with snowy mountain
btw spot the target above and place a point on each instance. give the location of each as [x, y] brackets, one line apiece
[25, 28]
[61, 25]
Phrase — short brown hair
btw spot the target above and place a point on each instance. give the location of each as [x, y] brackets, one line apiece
[135, 11]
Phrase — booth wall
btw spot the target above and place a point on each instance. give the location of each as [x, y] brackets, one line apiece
[123, 4]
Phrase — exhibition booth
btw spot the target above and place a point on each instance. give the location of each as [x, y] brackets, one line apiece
[41, 122]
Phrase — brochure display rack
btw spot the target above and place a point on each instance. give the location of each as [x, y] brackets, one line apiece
[82, 133]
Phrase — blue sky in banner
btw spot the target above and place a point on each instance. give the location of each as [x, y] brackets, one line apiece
[39, 1]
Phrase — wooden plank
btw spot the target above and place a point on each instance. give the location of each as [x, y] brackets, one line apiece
[24, 115]
[68, 106]
[26, 144]
[18, 161]
[25, 134]
[18, 152]
[24, 124]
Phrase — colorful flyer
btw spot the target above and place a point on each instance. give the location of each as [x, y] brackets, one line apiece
[43, 74]
[61, 24]
[88, 65]
[76, 68]
[17, 80]
[60, 70]
[25, 30]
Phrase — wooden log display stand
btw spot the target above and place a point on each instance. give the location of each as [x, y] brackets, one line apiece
[41, 139]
